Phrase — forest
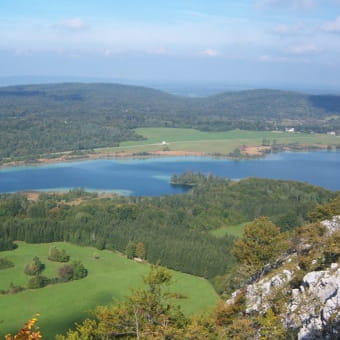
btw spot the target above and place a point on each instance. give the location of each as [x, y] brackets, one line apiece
[44, 119]
[173, 230]
[152, 312]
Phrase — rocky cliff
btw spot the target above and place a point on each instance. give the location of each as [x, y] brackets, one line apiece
[304, 288]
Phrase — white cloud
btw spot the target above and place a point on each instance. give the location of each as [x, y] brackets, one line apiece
[72, 24]
[332, 26]
[209, 52]
[304, 49]
[265, 58]
[294, 4]
[272, 59]
[283, 29]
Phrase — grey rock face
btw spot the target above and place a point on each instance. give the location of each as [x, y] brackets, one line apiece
[313, 308]
[316, 304]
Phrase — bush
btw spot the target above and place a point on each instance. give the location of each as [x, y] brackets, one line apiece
[260, 244]
[7, 245]
[14, 289]
[5, 263]
[65, 273]
[72, 271]
[58, 255]
[37, 282]
[35, 267]
[79, 271]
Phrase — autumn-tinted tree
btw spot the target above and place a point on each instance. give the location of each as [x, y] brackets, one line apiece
[65, 273]
[37, 281]
[79, 271]
[29, 332]
[261, 243]
[58, 255]
[35, 267]
[130, 250]
[140, 250]
[147, 314]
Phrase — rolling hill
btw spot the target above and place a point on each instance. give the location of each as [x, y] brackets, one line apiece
[37, 119]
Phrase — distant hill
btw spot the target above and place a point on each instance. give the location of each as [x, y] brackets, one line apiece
[39, 119]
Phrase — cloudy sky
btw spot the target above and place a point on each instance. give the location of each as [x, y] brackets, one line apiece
[220, 41]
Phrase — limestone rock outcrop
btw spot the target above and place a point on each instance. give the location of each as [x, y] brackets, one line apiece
[311, 307]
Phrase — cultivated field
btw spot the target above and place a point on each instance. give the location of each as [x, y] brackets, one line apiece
[60, 305]
[192, 140]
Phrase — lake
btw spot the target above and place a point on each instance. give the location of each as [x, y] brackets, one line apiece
[151, 176]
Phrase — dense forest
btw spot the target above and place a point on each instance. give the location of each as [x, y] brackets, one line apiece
[174, 230]
[152, 312]
[38, 119]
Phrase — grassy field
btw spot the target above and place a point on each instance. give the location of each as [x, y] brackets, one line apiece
[60, 305]
[236, 230]
[214, 142]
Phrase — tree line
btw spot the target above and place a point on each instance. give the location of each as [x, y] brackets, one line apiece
[172, 230]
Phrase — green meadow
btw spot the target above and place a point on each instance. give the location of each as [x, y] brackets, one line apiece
[235, 230]
[214, 142]
[110, 278]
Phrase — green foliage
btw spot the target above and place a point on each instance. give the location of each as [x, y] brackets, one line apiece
[79, 271]
[65, 273]
[62, 115]
[7, 245]
[147, 314]
[140, 250]
[12, 289]
[261, 243]
[191, 179]
[73, 271]
[316, 249]
[5, 263]
[271, 327]
[37, 281]
[325, 211]
[58, 255]
[35, 267]
[240, 329]
[130, 250]
[60, 305]
[175, 230]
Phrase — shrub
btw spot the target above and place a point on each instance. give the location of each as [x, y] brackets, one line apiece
[79, 271]
[72, 271]
[37, 282]
[14, 289]
[5, 263]
[65, 273]
[29, 332]
[7, 245]
[261, 243]
[35, 267]
[58, 255]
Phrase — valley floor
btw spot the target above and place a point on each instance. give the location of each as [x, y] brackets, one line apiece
[166, 142]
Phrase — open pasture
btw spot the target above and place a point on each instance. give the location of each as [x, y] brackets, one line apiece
[192, 140]
[111, 276]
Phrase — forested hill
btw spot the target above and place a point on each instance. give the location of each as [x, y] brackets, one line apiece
[175, 229]
[39, 119]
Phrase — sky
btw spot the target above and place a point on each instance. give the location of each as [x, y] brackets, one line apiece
[279, 42]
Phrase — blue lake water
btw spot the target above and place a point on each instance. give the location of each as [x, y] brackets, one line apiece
[151, 176]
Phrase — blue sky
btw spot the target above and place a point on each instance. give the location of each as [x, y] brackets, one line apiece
[215, 41]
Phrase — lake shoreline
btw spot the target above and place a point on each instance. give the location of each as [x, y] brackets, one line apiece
[151, 176]
[247, 153]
